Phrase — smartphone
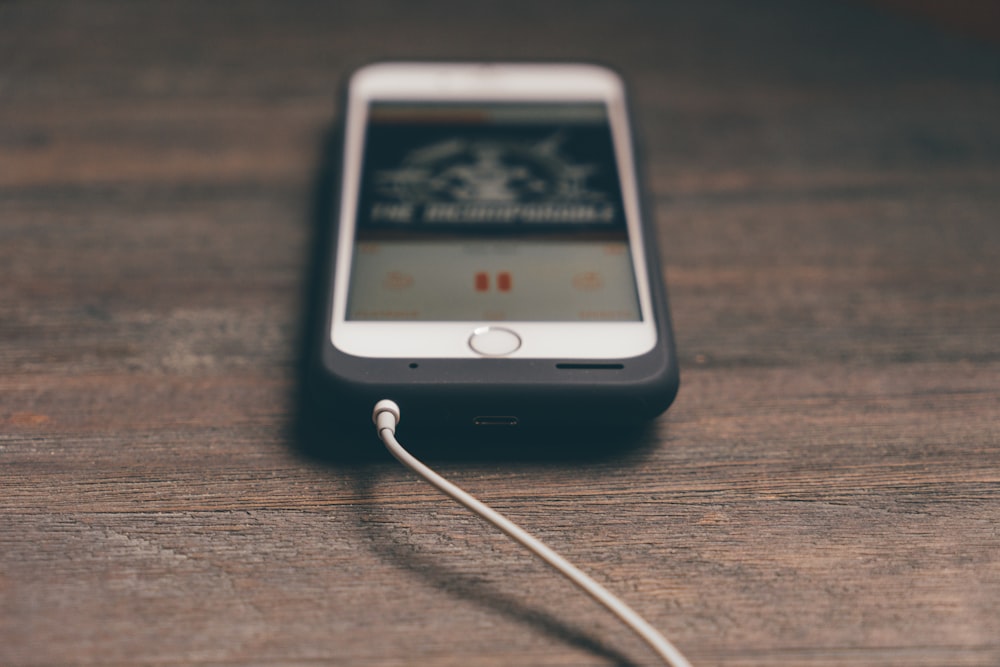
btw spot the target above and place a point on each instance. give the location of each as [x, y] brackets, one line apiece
[492, 266]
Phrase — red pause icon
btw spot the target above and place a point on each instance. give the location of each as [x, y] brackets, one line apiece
[504, 281]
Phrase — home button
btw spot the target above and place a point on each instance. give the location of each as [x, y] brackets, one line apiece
[494, 341]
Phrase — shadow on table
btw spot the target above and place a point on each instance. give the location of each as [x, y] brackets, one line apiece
[393, 545]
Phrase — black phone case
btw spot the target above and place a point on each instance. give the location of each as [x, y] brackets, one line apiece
[440, 396]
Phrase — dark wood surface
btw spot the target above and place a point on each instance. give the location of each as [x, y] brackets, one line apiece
[825, 490]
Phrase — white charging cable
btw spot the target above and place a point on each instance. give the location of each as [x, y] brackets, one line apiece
[386, 416]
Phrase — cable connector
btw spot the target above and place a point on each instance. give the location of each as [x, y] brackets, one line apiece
[385, 415]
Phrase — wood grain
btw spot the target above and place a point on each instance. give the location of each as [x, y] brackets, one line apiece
[825, 490]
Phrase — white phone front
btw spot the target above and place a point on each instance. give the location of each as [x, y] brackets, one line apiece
[489, 210]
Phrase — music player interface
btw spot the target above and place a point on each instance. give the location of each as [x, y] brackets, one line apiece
[490, 212]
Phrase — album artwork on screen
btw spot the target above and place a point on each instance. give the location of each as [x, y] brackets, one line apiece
[490, 212]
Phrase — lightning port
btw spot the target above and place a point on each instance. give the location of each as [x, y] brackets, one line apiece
[495, 421]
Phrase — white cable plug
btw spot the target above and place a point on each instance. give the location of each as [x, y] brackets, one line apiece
[386, 416]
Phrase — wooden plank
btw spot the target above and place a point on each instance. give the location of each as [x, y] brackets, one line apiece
[825, 491]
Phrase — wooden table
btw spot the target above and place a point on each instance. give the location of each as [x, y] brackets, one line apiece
[825, 490]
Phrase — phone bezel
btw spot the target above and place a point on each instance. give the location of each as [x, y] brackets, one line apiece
[514, 82]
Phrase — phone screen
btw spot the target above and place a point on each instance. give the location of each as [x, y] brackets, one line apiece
[490, 211]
